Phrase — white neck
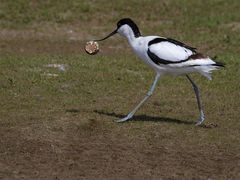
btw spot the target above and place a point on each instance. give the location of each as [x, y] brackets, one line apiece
[127, 32]
[130, 36]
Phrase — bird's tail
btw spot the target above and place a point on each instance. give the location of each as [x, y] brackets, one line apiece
[206, 69]
[219, 64]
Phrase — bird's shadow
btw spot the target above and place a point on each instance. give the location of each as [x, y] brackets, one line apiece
[72, 110]
[147, 118]
[155, 119]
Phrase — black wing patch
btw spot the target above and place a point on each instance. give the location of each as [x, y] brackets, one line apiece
[158, 60]
[178, 43]
[181, 44]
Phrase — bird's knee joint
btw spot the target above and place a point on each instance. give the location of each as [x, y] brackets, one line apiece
[149, 93]
[195, 88]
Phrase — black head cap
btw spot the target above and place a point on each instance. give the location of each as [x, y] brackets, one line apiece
[120, 23]
[128, 21]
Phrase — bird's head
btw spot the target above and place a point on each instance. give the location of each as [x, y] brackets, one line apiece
[125, 27]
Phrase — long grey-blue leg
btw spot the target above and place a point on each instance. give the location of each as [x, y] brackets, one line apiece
[196, 90]
[149, 93]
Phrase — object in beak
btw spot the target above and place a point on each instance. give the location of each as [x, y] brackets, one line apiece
[111, 34]
[92, 47]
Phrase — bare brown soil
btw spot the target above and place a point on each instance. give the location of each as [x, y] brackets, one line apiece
[71, 150]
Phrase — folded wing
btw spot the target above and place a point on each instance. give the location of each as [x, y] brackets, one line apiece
[169, 51]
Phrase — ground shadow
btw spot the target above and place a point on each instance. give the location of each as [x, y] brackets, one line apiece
[156, 119]
[72, 110]
[147, 118]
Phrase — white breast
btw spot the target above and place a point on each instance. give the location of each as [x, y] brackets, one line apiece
[140, 47]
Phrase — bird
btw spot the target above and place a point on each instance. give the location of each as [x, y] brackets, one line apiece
[166, 56]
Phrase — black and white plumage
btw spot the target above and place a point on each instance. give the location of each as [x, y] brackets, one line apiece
[165, 56]
[181, 51]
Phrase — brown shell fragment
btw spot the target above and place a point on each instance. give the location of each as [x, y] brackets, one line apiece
[92, 47]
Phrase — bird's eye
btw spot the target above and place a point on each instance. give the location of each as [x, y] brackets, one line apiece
[119, 24]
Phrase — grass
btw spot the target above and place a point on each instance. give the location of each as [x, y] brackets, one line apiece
[62, 126]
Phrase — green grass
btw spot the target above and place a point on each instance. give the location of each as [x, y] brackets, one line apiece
[62, 127]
